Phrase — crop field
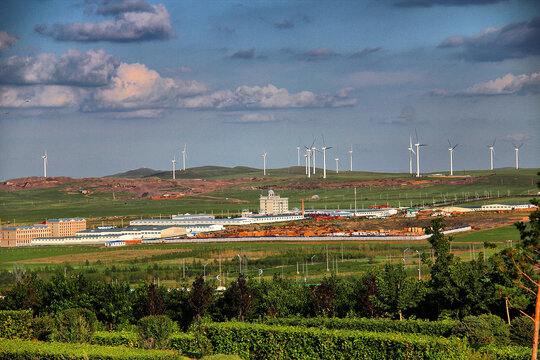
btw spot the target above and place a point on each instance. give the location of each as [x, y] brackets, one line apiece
[507, 185]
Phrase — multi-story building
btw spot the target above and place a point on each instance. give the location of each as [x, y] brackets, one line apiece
[22, 235]
[66, 226]
[273, 204]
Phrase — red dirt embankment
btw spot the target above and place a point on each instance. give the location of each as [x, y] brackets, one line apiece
[136, 188]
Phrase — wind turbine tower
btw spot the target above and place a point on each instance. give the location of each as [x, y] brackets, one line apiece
[451, 149]
[350, 153]
[491, 151]
[324, 148]
[313, 150]
[308, 167]
[516, 149]
[298, 151]
[411, 152]
[417, 145]
[44, 157]
[337, 165]
[174, 168]
[184, 156]
[264, 162]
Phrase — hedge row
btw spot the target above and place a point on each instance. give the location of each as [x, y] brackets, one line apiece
[186, 343]
[506, 352]
[121, 338]
[28, 350]
[256, 341]
[432, 328]
[15, 324]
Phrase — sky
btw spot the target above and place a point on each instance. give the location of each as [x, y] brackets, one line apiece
[105, 86]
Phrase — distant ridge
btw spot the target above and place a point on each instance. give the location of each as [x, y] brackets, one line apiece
[201, 172]
[135, 174]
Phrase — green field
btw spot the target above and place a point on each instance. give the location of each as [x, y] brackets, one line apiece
[503, 185]
[166, 261]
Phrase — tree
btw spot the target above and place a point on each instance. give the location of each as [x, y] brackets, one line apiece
[200, 297]
[240, 297]
[458, 289]
[323, 296]
[525, 260]
[397, 292]
[150, 301]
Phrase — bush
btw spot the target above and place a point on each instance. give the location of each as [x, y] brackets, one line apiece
[505, 352]
[75, 325]
[43, 328]
[28, 350]
[187, 344]
[256, 341]
[483, 330]
[16, 324]
[432, 328]
[521, 331]
[154, 331]
[120, 338]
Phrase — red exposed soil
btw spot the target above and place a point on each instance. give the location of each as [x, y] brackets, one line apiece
[136, 188]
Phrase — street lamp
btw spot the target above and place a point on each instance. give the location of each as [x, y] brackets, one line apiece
[404, 259]
[204, 272]
[240, 262]
[312, 259]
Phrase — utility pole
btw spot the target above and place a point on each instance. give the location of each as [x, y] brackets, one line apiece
[327, 268]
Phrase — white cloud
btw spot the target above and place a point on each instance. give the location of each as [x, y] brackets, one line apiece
[91, 68]
[7, 40]
[131, 25]
[39, 96]
[507, 85]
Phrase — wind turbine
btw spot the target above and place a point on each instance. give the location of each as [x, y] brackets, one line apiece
[306, 159]
[184, 156]
[516, 149]
[417, 145]
[264, 162]
[337, 165]
[350, 153]
[313, 151]
[174, 168]
[308, 152]
[451, 149]
[324, 148]
[411, 152]
[491, 151]
[298, 150]
[44, 157]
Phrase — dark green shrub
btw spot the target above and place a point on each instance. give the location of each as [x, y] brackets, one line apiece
[75, 325]
[155, 330]
[118, 338]
[221, 357]
[521, 331]
[256, 341]
[443, 328]
[16, 324]
[483, 330]
[28, 350]
[43, 328]
[504, 352]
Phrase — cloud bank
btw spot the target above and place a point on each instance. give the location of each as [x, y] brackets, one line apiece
[95, 81]
[7, 40]
[513, 41]
[133, 21]
[507, 85]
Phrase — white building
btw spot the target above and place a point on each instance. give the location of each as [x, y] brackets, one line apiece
[273, 204]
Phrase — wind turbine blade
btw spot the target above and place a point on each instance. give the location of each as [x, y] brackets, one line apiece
[455, 146]
[449, 143]
[329, 147]
[324, 143]
[494, 142]
[519, 147]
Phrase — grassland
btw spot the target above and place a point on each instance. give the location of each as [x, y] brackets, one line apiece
[176, 264]
[35, 205]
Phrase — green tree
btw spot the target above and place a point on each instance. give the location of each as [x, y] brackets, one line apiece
[201, 297]
[397, 292]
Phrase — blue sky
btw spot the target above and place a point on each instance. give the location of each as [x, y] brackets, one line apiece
[111, 85]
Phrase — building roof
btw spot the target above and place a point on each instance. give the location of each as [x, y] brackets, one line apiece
[30, 227]
[65, 219]
[128, 229]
